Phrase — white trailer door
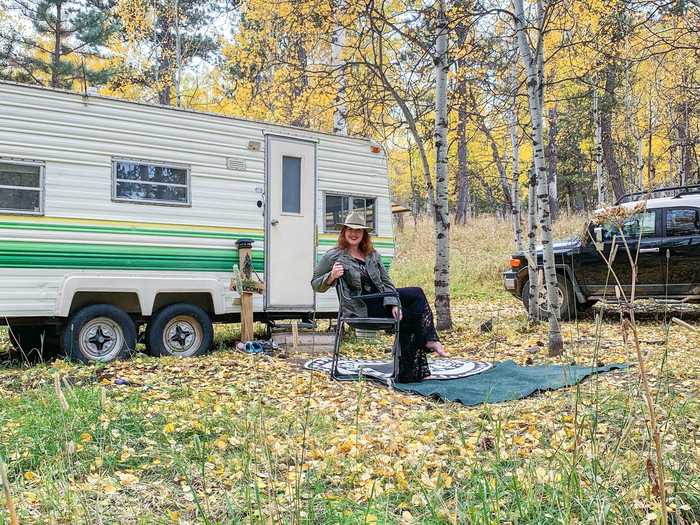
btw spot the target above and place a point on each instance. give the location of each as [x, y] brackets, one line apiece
[291, 223]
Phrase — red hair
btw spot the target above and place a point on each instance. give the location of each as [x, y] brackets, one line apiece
[366, 246]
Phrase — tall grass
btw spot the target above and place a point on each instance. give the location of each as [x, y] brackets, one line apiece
[480, 251]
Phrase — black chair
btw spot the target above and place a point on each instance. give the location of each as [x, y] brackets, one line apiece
[364, 323]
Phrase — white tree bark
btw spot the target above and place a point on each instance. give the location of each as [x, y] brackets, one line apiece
[533, 278]
[598, 149]
[340, 124]
[535, 91]
[515, 154]
[442, 215]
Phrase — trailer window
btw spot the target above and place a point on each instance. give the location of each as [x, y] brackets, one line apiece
[21, 187]
[338, 207]
[150, 182]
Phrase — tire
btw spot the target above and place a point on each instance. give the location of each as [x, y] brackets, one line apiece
[181, 330]
[34, 343]
[568, 305]
[99, 333]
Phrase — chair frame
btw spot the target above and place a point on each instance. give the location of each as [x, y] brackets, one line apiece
[364, 322]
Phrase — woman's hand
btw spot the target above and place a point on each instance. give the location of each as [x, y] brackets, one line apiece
[336, 272]
[396, 313]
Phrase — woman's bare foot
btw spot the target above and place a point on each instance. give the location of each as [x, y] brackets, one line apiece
[437, 347]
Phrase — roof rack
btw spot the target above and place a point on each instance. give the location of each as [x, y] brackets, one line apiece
[670, 191]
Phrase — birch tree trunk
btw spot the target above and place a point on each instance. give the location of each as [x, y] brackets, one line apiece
[611, 165]
[535, 91]
[533, 278]
[598, 150]
[463, 191]
[463, 197]
[340, 125]
[515, 197]
[552, 163]
[442, 217]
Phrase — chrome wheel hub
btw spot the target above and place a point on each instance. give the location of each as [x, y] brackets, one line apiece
[101, 339]
[182, 336]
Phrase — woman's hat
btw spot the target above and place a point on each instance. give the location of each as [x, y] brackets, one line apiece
[355, 221]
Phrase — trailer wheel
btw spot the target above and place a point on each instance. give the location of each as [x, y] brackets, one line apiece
[181, 330]
[34, 343]
[99, 333]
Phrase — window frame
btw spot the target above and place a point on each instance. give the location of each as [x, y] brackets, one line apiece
[373, 232]
[665, 219]
[188, 186]
[41, 188]
[659, 227]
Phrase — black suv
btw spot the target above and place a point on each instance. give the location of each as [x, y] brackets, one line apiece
[664, 231]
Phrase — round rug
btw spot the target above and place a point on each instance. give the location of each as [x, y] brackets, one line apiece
[439, 368]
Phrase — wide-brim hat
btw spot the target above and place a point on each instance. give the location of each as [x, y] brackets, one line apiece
[355, 221]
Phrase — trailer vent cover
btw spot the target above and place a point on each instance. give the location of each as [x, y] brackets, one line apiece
[235, 164]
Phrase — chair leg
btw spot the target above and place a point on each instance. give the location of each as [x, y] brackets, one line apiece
[336, 349]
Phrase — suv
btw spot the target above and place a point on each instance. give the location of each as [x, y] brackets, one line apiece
[665, 231]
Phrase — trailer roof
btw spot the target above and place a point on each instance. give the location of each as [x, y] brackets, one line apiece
[182, 110]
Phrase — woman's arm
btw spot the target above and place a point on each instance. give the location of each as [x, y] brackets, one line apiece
[321, 281]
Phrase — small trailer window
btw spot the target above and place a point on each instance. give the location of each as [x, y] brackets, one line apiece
[338, 207]
[147, 182]
[21, 186]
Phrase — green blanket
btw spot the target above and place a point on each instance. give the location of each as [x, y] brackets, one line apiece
[504, 382]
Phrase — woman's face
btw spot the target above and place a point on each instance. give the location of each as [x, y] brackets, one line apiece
[353, 236]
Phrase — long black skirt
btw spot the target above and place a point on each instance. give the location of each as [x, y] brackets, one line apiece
[416, 329]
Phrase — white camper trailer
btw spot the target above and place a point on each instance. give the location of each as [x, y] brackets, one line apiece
[115, 215]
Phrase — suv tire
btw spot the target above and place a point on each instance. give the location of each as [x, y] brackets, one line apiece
[566, 296]
[99, 333]
[181, 329]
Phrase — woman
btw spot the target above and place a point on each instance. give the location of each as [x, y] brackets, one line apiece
[360, 266]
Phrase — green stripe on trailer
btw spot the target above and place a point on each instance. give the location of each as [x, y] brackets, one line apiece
[26, 254]
[161, 232]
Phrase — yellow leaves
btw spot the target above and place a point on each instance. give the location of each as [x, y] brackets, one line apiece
[126, 478]
[31, 476]
[174, 516]
[85, 437]
[169, 428]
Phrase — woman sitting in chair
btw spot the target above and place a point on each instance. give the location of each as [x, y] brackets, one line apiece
[360, 266]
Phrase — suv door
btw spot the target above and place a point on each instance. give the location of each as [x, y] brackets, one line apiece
[641, 231]
[681, 250]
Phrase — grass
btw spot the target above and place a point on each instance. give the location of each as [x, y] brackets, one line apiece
[232, 438]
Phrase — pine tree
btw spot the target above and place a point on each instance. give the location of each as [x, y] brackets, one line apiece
[66, 46]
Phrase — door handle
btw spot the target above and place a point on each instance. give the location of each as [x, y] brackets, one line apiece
[649, 250]
[275, 222]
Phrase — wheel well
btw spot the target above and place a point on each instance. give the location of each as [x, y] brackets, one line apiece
[127, 301]
[201, 299]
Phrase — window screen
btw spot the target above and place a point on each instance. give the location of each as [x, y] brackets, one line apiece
[291, 184]
[338, 207]
[682, 222]
[20, 188]
[154, 183]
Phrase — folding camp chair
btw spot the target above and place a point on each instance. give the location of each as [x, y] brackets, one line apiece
[364, 323]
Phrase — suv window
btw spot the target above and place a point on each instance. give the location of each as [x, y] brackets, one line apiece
[640, 222]
[680, 222]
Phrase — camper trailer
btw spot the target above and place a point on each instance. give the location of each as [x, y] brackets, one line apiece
[118, 217]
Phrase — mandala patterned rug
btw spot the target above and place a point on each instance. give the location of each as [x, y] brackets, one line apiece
[439, 368]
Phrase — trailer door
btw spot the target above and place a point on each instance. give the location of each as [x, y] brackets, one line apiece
[291, 223]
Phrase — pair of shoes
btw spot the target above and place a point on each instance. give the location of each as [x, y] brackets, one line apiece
[250, 347]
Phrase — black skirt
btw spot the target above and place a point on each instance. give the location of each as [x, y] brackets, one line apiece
[416, 329]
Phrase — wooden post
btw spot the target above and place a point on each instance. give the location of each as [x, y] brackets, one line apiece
[245, 265]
